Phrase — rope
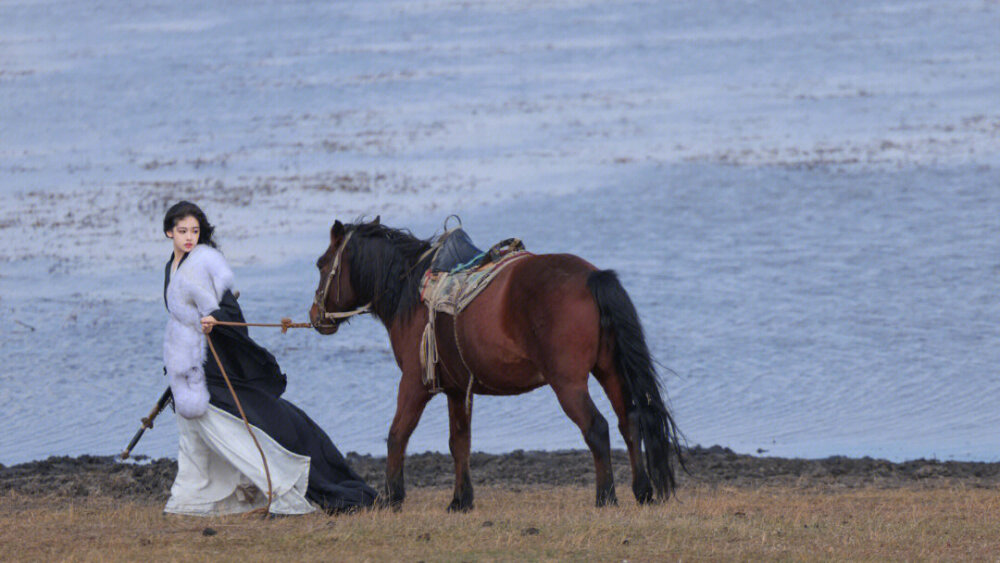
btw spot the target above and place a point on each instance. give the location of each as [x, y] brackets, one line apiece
[461, 356]
[285, 324]
[243, 415]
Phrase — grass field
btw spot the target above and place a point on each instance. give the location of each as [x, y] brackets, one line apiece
[536, 523]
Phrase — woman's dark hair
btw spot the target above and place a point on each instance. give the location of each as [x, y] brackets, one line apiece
[184, 209]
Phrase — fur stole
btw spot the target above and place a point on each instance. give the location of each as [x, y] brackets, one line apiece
[194, 291]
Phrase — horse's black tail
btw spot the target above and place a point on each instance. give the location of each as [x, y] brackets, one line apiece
[658, 435]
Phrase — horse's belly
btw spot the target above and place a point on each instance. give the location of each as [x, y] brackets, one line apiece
[509, 379]
[481, 388]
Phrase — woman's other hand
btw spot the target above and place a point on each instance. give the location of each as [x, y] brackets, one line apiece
[207, 323]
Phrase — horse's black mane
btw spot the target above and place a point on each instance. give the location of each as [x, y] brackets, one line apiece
[384, 268]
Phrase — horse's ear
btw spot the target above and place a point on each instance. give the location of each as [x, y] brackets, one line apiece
[378, 219]
[337, 231]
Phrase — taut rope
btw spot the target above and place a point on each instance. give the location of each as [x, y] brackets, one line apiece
[285, 324]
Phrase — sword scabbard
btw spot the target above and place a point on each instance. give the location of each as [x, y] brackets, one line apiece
[147, 422]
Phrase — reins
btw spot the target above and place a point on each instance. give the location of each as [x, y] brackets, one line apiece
[320, 299]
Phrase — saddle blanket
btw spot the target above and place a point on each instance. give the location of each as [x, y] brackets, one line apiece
[451, 293]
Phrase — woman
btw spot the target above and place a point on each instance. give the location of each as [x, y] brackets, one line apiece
[219, 469]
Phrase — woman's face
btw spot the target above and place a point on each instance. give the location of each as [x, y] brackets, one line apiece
[184, 234]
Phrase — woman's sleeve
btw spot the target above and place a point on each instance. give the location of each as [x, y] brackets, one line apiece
[203, 299]
[221, 273]
[220, 280]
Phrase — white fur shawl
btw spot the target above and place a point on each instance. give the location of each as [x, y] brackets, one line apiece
[194, 291]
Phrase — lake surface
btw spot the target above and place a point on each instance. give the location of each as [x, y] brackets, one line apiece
[803, 201]
[798, 313]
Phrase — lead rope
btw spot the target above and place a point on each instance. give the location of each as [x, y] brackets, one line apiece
[285, 324]
[243, 415]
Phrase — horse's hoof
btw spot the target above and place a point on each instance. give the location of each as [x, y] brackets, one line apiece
[645, 497]
[383, 502]
[607, 501]
[457, 506]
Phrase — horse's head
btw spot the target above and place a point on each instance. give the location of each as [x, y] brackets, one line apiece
[334, 293]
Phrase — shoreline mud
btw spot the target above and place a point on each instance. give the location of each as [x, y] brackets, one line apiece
[149, 480]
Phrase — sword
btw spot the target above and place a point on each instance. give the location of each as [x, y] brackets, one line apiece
[147, 422]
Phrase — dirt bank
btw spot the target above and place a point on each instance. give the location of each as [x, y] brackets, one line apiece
[149, 480]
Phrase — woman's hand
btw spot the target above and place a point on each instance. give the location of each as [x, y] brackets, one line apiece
[207, 323]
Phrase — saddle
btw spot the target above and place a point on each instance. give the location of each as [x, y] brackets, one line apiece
[457, 252]
[459, 272]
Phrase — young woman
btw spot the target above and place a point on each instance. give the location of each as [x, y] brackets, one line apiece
[219, 469]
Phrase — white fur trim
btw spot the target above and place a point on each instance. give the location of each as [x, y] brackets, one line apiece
[195, 290]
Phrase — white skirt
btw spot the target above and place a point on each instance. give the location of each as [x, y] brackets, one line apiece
[219, 470]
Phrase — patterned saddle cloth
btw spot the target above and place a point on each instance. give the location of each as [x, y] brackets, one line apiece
[451, 292]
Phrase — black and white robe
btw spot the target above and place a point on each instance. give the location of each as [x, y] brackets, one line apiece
[219, 467]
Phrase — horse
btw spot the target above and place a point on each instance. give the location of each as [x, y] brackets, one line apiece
[545, 319]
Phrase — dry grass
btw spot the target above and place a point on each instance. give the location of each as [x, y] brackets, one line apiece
[533, 524]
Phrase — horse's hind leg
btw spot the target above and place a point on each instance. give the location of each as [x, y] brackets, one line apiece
[410, 402]
[578, 406]
[459, 442]
[627, 425]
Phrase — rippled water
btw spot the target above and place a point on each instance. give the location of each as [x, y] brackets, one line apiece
[803, 313]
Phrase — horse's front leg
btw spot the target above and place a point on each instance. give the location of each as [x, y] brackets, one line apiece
[410, 402]
[460, 420]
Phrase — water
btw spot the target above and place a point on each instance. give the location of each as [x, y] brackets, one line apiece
[801, 199]
[797, 312]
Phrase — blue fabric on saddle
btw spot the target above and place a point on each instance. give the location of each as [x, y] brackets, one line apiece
[457, 252]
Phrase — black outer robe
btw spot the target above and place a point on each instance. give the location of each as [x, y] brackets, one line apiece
[259, 383]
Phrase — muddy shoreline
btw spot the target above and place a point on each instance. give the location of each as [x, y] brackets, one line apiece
[150, 480]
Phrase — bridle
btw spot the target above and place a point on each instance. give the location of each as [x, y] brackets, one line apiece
[336, 317]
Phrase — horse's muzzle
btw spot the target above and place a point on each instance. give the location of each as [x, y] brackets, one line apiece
[321, 325]
[325, 330]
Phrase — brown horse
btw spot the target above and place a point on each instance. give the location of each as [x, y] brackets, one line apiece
[546, 319]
